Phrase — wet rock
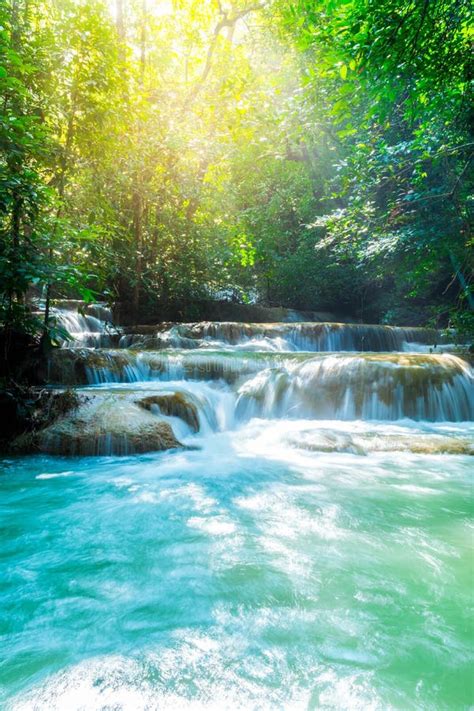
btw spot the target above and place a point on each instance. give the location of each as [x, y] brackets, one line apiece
[326, 441]
[373, 386]
[103, 425]
[79, 366]
[26, 410]
[173, 404]
[312, 336]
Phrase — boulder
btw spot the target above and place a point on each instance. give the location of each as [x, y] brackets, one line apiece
[108, 424]
[172, 404]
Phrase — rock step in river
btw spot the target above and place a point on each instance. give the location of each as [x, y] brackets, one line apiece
[223, 375]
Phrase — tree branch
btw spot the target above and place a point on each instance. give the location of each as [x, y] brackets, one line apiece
[225, 21]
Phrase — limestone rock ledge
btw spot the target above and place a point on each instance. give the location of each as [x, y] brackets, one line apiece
[102, 425]
[173, 404]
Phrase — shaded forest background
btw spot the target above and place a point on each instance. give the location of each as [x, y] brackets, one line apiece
[313, 155]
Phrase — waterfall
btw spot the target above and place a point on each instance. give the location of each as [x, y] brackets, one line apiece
[389, 387]
[323, 386]
[87, 325]
[284, 337]
[198, 378]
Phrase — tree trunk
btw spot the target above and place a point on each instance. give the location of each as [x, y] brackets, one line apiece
[143, 43]
[119, 9]
[138, 239]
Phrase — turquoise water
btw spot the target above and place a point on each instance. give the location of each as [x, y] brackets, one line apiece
[248, 574]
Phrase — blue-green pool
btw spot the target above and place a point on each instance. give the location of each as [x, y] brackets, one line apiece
[247, 574]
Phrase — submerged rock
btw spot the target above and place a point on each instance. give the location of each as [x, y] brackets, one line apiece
[326, 441]
[103, 425]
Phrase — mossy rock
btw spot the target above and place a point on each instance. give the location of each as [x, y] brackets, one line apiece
[101, 442]
[102, 425]
[174, 405]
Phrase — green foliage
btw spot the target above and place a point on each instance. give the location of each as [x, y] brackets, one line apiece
[395, 83]
[308, 154]
[462, 324]
[33, 241]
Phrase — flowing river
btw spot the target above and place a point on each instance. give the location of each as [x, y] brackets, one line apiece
[309, 548]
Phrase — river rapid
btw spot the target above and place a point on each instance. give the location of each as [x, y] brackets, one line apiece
[310, 548]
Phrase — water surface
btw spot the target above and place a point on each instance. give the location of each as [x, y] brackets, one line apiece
[252, 573]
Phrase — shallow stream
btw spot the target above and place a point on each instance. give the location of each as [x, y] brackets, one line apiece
[285, 560]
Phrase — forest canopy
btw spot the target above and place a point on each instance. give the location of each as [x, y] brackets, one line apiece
[313, 155]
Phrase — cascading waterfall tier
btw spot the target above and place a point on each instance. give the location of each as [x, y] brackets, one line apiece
[92, 326]
[370, 386]
[363, 387]
[83, 325]
[201, 377]
[316, 337]
[80, 366]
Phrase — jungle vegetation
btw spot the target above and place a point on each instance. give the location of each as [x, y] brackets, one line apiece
[309, 154]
